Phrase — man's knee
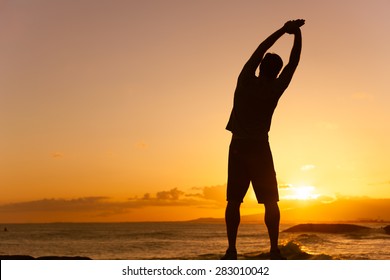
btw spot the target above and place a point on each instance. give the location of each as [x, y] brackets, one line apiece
[271, 205]
[233, 204]
[272, 209]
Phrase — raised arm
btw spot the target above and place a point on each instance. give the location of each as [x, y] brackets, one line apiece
[292, 27]
[254, 61]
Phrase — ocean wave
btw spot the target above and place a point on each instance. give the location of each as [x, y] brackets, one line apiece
[311, 238]
[328, 228]
[291, 250]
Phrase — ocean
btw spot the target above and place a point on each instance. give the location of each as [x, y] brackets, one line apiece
[184, 240]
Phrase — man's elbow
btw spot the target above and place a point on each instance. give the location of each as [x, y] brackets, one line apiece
[292, 65]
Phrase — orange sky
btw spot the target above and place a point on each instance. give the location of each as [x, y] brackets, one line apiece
[108, 106]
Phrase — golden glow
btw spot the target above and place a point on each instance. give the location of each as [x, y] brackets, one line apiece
[301, 193]
[128, 102]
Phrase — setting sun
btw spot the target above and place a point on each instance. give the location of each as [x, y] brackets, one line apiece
[301, 193]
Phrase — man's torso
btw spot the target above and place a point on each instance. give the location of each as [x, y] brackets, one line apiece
[255, 100]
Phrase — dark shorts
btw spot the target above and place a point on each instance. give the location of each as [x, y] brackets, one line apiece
[250, 160]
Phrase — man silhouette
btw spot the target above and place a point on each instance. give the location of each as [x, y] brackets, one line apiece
[250, 157]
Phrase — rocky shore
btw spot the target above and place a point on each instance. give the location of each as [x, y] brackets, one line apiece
[26, 257]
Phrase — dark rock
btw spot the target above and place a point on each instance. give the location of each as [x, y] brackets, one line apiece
[26, 257]
[326, 228]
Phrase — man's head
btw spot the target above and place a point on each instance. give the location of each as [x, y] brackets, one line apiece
[271, 65]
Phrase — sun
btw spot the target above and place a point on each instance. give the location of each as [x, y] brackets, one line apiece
[301, 193]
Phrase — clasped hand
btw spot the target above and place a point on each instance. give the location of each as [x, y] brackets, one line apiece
[292, 26]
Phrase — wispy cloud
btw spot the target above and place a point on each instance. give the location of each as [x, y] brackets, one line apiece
[57, 155]
[210, 193]
[173, 194]
[98, 206]
[141, 145]
[55, 205]
[284, 186]
[198, 196]
[308, 167]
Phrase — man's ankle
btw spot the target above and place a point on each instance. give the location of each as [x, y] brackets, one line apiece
[231, 249]
[230, 255]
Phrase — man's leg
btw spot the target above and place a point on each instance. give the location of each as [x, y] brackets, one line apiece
[272, 219]
[232, 220]
[237, 186]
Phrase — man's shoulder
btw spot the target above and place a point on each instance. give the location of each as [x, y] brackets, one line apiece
[246, 78]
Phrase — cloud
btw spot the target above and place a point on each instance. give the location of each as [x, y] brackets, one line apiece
[308, 167]
[79, 204]
[213, 193]
[339, 209]
[57, 155]
[102, 208]
[87, 208]
[284, 186]
[173, 194]
[92, 206]
[210, 196]
[141, 145]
